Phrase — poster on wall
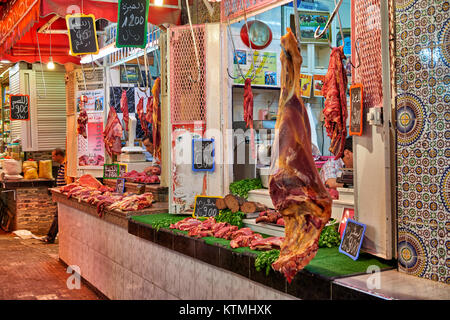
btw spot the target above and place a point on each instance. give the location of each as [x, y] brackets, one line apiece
[95, 100]
[318, 84]
[305, 85]
[91, 151]
[265, 63]
[186, 184]
[309, 21]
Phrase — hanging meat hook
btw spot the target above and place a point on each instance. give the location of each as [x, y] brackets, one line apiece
[336, 10]
[234, 49]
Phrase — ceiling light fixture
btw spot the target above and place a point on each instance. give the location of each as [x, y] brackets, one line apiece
[50, 64]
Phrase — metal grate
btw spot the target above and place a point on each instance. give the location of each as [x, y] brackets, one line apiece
[187, 98]
[231, 9]
[366, 28]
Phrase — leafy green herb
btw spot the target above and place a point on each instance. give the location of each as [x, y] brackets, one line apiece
[234, 219]
[165, 223]
[329, 237]
[242, 187]
[264, 260]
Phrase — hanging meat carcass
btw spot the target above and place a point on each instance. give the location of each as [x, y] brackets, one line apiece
[82, 117]
[124, 108]
[141, 116]
[335, 111]
[113, 133]
[156, 119]
[248, 111]
[294, 184]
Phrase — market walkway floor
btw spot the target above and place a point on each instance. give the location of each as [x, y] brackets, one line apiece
[30, 270]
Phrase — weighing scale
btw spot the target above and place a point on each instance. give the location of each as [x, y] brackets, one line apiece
[131, 155]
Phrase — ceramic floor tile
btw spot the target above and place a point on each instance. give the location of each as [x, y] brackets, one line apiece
[398, 285]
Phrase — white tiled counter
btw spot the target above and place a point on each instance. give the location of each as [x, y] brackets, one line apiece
[123, 266]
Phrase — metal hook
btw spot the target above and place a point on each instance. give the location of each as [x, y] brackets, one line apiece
[336, 9]
[195, 46]
[357, 53]
[297, 25]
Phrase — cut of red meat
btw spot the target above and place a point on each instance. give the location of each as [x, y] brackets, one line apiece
[248, 111]
[82, 122]
[113, 133]
[242, 232]
[335, 92]
[156, 119]
[295, 187]
[267, 243]
[89, 181]
[225, 232]
[244, 240]
[124, 108]
[141, 116]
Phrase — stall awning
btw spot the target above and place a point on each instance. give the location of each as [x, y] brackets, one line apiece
[21, 21]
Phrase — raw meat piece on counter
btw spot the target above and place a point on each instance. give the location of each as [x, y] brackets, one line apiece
[295, 187]
[267, 243]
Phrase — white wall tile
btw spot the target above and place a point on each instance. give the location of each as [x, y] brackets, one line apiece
[173, 274]
[128, 285]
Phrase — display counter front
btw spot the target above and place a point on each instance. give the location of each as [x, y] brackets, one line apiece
[160, 194]
[31, 204]
[144, 261]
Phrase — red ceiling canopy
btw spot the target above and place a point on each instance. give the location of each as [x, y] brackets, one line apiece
[22, 20]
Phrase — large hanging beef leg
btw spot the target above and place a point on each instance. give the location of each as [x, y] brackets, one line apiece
[294, 185]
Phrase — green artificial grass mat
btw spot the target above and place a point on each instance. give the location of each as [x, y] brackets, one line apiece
[328, 262]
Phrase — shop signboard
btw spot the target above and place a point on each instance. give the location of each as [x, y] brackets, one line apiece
[91, 151]
[120, 185]
[19, 107]
[352, 239]
[318, 84]
[111, 171]
[82, 34]
[356, 109]
[203, 155]
[305, 85]
[95, 100]
[264, 64]
[205, 206]
[132, 23]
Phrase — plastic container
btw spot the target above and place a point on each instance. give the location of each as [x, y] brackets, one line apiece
[12, 167]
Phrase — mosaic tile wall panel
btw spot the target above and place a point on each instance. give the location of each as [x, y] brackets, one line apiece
[423, 137]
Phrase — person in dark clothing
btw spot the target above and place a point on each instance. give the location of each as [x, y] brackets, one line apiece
[58, 155]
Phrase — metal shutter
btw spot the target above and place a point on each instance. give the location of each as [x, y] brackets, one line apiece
[51, 111]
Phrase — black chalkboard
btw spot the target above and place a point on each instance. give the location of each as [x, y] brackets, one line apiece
[19, 107]
[132, 23]
[356, 109]
[82, 34]
[111, 171]
[203, 154]
[352, 239]
[205, 206]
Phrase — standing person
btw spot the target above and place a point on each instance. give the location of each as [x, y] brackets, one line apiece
[59, 156]
[148, 144]
[331, 169]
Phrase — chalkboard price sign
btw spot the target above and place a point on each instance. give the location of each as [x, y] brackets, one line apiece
[352, 239]
[205, 206]
[203, 154]
[111, 171]
[19, 107]
[356, 110]
[132, 23]
[82, 34]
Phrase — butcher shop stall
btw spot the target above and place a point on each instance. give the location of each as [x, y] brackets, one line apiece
[247, 154]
